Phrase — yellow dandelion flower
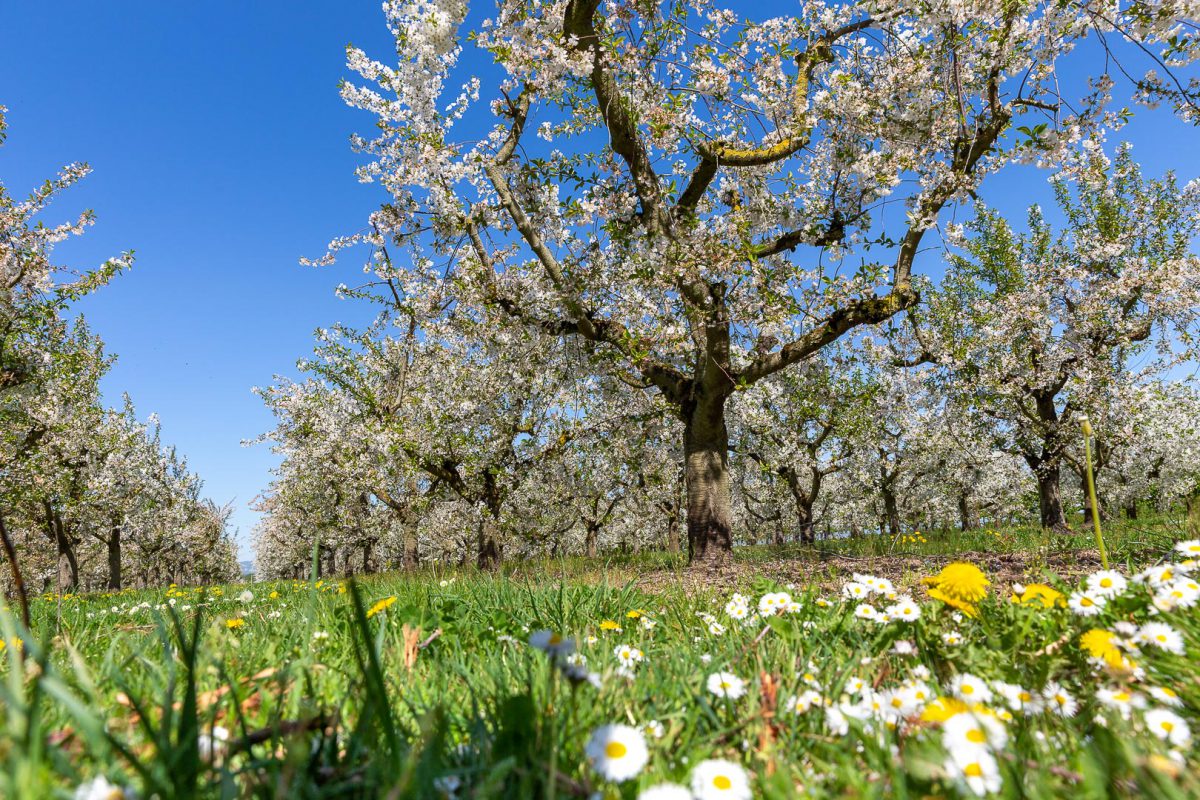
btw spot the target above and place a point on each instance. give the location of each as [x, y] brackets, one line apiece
[381, 605]
[273, 595]
[960, 585]
[609, 625]
[236, 622]
[634, 614]
[1039, 593]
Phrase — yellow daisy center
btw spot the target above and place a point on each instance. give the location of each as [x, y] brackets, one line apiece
[976, 736]
[723, 783]
[615, 750]
[973, 770]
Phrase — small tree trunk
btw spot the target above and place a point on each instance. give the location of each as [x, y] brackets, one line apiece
[706, 456]
[591, 534]
[804, 516]
[489, 553]
[674, 545]
[891, 510]
[114, 559]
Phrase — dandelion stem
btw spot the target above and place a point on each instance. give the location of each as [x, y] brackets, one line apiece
[1091, 484]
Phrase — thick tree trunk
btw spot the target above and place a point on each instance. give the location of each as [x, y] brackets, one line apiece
[410, 556]
[114, 559]
[706, 456]
[1131, 510]
[967, 519]
[590, 536]
[1050, 500]
[891, 510]
[68, 565]
[488, 553]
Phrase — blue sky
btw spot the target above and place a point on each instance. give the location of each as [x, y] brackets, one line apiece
[219, 145]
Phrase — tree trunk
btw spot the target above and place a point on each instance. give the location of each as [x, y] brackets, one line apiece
[68, 566]
[1050, 500]
[591, 534]
[891, 511]
[488, 553]
[706, 456]
[672, 513]
[410, 556]
[966, 512]
[114, 559]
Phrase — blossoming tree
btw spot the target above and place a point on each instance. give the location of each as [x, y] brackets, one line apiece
[703, 197]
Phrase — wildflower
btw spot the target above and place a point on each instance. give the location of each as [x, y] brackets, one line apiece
[634, 614]
[610, 625]
[665, 791]
[654, 728]
[905, 610]
[959, 585]
[1086, 604]
[381, 605]
[966, 686]
[1165, 695]
[952, 638]
[976, 769]
[246, 596]
[273, 595]
[1190, 548]
[212, 744]
[617, 752]
[1106, 583]
[648, 624]
[99, 788]
[968, 730]
[551, 643]
[1101, 644]
[320, 636]
[855, 591]
[447, 785]
[727, 685]
[628, 656]
[866, 611]
[1169, 726]
[836, 721]
[773, 603]
[1037, 593]
[717, 779]
[903, 647]
[803, 702]
[1060, 700]
[235, 623]
[1162, 636]
[1120, 700]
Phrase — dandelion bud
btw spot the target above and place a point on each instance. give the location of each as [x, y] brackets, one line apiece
[1086, 424]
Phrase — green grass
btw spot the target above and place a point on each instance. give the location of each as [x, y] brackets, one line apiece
[443, 684]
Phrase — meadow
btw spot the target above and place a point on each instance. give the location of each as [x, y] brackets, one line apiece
[945, 682]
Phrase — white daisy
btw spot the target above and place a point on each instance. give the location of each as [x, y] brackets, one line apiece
[1086, 604]
[1165, 695]
[802, 702]
[866, 611]
[99, 788]
[1059, 700]
[717, 779]
[966, 730]
[904, 610]
[1169, 726]
[1190, 548]
[976, 769]
[970, 689]
[1162, 636]
[1106, 583]
[617, 752]
[727, 685]
[628, 656]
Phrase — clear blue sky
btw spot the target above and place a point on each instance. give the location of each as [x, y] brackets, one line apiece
[219, 145]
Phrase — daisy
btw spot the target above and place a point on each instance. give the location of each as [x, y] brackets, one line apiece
[1165, 695]
[905, 610]
[727, 685]
[617, 752]
[665, 791]
[976, 769]
[654, 728]
[1162, 636]
[1060, 700]
[1017, 698]
[1168, 726]
[99, 788]
[1190, 548]
[952, 638]
[1106, 583]
[855, 591]
[967, 730]
[866, 611]
[628, 656]
[1119, 699]
[802, 702]
[969, 688]
[717, 779]
[1086, 604]
[551, 643]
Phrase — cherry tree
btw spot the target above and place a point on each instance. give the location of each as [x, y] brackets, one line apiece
[1036, 329]
[702, 197]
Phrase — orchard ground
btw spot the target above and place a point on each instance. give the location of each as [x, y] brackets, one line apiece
[831, 672]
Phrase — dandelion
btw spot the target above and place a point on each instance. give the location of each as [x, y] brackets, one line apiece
[246, 596]
[717, 779]
[959, 585]
[381, 605]
[1168, 726]
[1106, 583]
[1086, 604]
[235, 623]
[1037, 594]
[610, 625]
[617, 752]
[727, 685]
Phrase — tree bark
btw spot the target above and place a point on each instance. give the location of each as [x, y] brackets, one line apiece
[488, 553]
[114, 559]
[706, 456]
[891, 511]
[591, 534]
[1050, 504]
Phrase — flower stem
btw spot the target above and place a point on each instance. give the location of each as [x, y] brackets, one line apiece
[1087, 450]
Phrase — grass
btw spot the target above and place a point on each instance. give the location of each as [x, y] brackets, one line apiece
[439, 694]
